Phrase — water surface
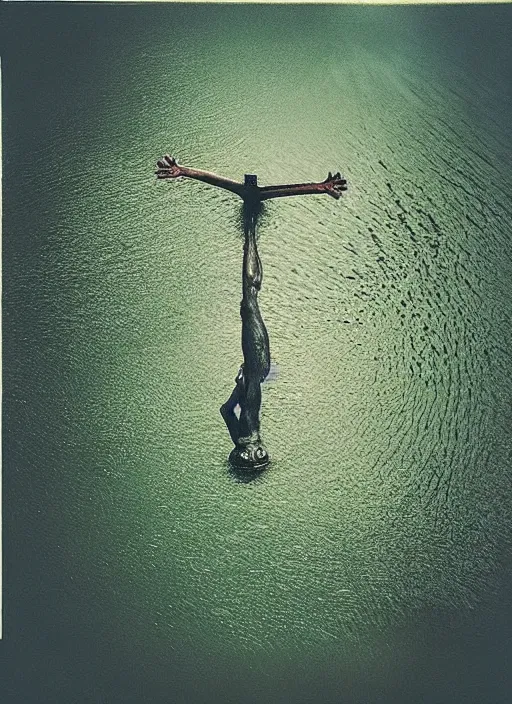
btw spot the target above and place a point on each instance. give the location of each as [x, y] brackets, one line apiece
[371, 556]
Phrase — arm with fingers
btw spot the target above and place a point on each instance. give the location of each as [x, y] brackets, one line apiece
[333, 185]
[169, 168]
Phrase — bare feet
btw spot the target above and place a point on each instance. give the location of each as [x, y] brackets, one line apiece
[335, 185]
[168, 167]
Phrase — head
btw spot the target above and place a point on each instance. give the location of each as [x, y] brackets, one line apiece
[250, 456]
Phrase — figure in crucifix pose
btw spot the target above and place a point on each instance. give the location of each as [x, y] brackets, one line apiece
[244, 429]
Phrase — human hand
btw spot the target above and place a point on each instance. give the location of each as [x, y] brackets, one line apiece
[335, 185]
[168, 167]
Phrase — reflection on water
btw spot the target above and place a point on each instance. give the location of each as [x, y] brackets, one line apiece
[387, 314]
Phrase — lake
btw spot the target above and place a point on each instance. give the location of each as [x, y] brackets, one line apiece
[370, 562]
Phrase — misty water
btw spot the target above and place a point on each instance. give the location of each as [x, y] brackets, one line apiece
[383, 522]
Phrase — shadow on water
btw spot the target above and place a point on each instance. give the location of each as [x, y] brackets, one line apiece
[246, 476]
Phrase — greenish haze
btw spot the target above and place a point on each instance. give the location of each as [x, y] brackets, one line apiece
[387, 504]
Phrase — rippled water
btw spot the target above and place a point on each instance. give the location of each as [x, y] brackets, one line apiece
[387, 503]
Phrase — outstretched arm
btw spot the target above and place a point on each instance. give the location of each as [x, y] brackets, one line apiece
[333, 186]
[169, 168]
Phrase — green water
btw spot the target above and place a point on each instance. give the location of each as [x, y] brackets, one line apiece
[376, 546]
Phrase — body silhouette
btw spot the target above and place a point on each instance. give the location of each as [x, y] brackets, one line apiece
[244, 429]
